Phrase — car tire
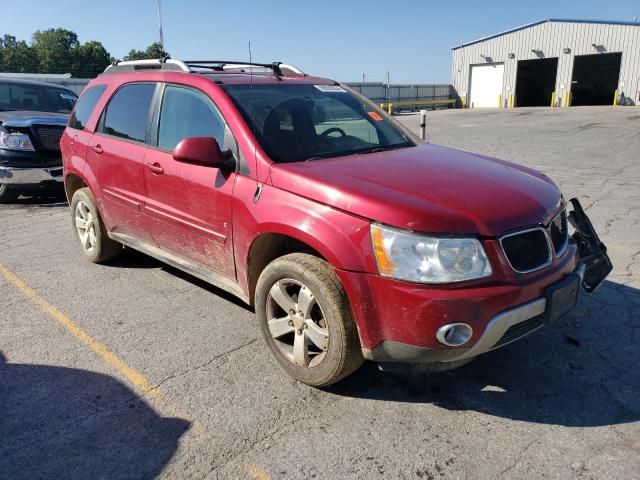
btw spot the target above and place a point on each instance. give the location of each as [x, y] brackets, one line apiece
[8, 194]
[306, 320]
[90, 230]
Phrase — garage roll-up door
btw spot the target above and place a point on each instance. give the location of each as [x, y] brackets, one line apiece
[486, 85]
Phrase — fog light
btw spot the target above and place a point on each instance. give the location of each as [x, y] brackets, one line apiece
[454, 334]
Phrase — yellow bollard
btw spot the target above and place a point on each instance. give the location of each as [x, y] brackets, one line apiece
[553, 99]
[500, 101]
[511, 101]
[464, 101]
[390, 110]
[615, 98]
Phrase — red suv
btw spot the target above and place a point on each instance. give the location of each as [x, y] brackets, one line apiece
[351, 237]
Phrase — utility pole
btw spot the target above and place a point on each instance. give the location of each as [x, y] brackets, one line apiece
[388, 88]
[159, 9]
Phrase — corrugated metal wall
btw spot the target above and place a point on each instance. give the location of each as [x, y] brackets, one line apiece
[551, 38]
[74, 84]
[377, 92]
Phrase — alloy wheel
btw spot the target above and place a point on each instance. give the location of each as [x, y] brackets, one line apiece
[85, 226]
[297, 323]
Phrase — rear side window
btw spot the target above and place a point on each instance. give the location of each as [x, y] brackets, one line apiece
[128, 111]
[187, 113]
[85, 106]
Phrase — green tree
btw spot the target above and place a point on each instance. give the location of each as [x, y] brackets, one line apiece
[54, 49]
[16, 56]
[154, 50]
[90, 59]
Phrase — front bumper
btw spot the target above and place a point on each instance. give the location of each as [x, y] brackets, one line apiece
[30, 175]
[504, 328]
[399, 321]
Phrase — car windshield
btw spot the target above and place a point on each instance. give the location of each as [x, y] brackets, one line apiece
[296, 122]
[38, 98]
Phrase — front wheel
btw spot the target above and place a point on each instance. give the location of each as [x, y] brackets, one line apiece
[306, 320]
[90, 229]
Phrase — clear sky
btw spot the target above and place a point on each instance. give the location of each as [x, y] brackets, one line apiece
[338, 39]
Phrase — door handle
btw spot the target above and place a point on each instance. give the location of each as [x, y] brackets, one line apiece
[97, 148]
[155, 168]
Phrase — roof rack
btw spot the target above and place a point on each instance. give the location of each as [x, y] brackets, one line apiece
[167, 63]
[278, 68]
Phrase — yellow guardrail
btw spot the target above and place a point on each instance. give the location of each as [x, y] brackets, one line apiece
[391, 105]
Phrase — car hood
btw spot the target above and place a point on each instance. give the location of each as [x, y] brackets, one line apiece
[427, 188]
[20, 118]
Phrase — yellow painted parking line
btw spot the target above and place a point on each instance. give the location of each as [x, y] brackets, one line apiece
[257, 473]
[133, 376]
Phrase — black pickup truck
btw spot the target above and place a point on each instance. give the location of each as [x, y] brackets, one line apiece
[33, 116]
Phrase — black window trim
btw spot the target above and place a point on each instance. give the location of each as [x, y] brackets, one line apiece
[100, 125]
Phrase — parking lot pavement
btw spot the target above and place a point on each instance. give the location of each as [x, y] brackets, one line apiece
[79, 342]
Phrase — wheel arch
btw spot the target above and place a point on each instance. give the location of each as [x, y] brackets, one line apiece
[270, 245]
[73, 183]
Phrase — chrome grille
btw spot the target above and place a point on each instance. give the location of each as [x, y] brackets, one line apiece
[49, 137]
[527, 250]
[559, 233]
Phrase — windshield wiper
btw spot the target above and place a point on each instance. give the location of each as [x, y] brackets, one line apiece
[381, 149]
[322, 156]
[378, 149]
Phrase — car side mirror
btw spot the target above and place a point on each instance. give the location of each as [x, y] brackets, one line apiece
[202, 151]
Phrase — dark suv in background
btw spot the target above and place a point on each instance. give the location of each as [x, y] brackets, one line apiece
[32, 118]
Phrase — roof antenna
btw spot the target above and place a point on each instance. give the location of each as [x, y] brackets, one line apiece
[256, 195]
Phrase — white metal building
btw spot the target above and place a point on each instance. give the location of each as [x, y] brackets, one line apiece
[554, 62]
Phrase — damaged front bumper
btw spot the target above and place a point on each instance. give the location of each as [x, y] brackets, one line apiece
[593, 253]
[516, 322]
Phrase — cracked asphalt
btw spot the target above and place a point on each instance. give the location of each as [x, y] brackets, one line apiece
[563, 403]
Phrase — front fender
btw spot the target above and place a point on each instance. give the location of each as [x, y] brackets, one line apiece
[342, 239]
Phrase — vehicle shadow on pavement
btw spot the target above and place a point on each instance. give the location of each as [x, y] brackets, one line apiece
[130, 258]
[46, 199]
[582, 372]
[58, 422]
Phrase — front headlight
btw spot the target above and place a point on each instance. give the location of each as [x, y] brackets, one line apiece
[15, 141]
[420, 258]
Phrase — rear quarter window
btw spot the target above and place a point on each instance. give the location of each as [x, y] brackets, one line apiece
[85, 106]
[128, 110]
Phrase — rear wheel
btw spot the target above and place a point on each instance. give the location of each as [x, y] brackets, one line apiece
[7, 194]
[90, 229]
[306, 320]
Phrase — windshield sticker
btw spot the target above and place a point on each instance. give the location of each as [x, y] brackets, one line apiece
[330, 88]
[68, 96]
[375, 116]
